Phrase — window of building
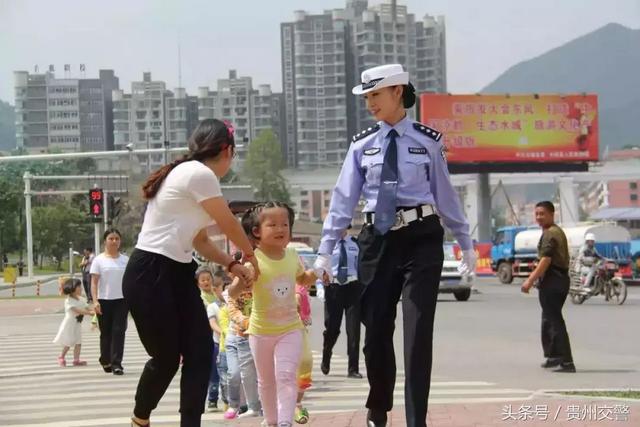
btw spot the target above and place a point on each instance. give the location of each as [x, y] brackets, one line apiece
[633, 197]
[633, 185]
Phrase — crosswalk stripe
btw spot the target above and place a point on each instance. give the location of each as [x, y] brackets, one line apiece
[35, 391]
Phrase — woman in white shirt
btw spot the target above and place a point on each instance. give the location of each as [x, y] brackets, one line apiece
[185, 201]
[106, 272]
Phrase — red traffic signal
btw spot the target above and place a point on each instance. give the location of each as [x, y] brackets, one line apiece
[96, 206]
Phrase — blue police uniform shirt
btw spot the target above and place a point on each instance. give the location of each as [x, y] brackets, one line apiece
[352, 259]
[423, 178]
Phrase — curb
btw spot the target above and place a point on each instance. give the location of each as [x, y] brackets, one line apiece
[27, 284]
[560, 393]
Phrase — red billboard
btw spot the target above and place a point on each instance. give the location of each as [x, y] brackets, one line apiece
[514, 128]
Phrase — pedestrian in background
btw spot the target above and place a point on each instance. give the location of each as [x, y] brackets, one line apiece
[552, 277]
[85, 268]
[342, 296]
[107, 270]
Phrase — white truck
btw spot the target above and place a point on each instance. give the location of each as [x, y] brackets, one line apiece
[515, 249]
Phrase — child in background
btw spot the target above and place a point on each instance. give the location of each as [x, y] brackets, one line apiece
[205, 283]
[213, 310]
[241, 367]
[70, 331]
[306, 362]
[275, 329]
[223, 322]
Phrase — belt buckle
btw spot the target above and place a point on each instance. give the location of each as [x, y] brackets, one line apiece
[400, 221]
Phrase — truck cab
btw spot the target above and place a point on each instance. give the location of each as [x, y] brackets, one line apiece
[503, 252]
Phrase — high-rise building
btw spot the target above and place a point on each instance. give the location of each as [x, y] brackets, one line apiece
[388, 34]
[315, 82]
[249, 110]
[68, 114]
[322, 59]
[152, 117]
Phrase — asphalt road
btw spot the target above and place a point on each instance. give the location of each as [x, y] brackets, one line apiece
[495, 336]
[486, 350]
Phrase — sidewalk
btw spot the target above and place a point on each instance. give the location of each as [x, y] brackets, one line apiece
[541, 412]
[28, 306]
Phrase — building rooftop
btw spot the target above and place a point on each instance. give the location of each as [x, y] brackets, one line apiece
[617, 214]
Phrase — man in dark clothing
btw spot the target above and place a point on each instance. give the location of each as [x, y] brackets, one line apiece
[553, 275]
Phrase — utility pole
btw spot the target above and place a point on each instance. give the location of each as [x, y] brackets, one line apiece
[27, 202]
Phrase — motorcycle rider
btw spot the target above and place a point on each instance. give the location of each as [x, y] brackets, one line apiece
[587, 257]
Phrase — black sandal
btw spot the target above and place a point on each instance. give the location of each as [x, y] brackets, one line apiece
[107, 369]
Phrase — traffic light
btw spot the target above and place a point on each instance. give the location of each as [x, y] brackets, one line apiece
[96, 204]
[114, 207]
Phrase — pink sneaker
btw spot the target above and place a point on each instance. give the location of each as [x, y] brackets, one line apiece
[79, 363]
[231, 414]
[62, 362]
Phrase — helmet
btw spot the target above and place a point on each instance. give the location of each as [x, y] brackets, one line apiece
[589, 236]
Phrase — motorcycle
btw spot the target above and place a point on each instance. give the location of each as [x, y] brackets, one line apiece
[604, 282]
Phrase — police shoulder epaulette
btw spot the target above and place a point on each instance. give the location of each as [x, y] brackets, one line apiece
[431, 133]
[373, 129]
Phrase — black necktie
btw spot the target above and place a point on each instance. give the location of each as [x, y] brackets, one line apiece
[343, 267]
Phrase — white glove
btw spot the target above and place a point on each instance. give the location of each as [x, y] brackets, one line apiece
[322, 265]
[468, 264]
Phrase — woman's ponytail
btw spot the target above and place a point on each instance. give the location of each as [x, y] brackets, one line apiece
[151, 187]
[408, 95]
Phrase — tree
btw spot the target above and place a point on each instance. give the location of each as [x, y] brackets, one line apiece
[230, 177]
[12, 192]
[54, 226]
[263, 166]
[10, 206]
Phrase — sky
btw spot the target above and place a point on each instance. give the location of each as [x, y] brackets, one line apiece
[484, 37]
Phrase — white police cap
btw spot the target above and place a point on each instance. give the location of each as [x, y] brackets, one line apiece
[382, 76]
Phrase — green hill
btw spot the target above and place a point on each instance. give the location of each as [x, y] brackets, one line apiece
[605, 62]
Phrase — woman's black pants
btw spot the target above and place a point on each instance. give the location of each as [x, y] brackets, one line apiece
[171, 320]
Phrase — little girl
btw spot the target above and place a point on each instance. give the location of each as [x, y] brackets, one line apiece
[275, 328]
[70, 331]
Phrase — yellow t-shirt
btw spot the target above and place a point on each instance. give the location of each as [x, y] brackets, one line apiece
[274, 310]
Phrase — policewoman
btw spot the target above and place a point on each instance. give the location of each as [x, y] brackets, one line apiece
[399, 167]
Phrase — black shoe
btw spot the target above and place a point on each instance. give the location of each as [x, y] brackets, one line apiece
[107, 369]
[376, 418]
[566, 367]
[355, 375]
[117, 370]
[212, 406]
[243, 409]
[551, 362]
[325, 366]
